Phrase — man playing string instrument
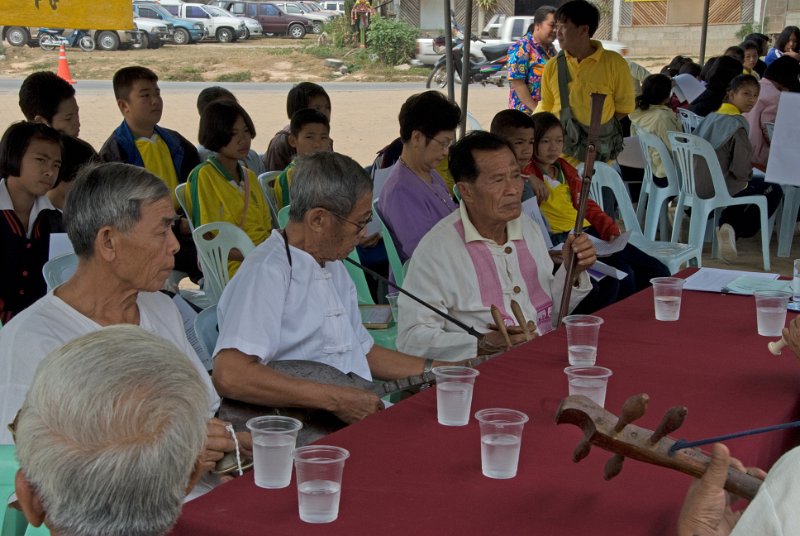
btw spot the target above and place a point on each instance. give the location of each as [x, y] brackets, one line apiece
[485, 253]
[292, 299]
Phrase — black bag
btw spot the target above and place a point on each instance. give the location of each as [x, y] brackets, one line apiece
[609, 140]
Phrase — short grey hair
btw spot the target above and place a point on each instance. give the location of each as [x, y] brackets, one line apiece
[328, 180]
[109, 194]
[110, 431]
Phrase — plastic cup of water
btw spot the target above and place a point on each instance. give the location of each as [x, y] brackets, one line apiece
[796, 281]
[582, 334]
[590, 382]
[392, 299]
[771, 311]
[454, 394]
[274, 439]
[319, 481]
[501, 438]
[667, 296]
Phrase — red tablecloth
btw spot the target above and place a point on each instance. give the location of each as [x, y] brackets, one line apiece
[407, 474]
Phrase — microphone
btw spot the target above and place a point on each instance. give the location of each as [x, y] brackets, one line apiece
[373, 273]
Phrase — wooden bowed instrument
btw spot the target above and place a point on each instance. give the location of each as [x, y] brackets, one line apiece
[588, 170]
[616, 434]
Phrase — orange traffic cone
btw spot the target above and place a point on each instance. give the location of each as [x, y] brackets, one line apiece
[63, 66]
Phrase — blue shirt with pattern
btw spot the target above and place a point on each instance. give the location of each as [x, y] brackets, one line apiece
[526, 59]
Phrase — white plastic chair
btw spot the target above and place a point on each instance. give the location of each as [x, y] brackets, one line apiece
[685, 149]
[59, 269]
[180, 195]
[265, 180]
[213, 253]
[790, 204]
[672, 254]
[689, 120]
[205, 327]
[651, 209]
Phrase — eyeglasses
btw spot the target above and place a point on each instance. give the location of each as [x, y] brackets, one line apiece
[359, 226]
[443, 144]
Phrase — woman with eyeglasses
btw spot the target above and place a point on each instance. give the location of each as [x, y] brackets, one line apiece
[415, 197]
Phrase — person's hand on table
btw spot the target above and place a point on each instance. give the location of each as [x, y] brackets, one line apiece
[791, 335]
[218, 442]
[706, 509]
[584, 252]
[352, 405]
[494, 341]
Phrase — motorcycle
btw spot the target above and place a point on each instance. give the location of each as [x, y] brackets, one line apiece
[51, 39]
[490, 71]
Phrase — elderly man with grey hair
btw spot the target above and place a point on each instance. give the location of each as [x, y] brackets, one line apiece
[292, 299]
[119, 220]
[116, 455]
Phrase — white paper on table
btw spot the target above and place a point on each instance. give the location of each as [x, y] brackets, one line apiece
[603, 248]
[746, 285]
[531, 208]
[59, 245]
[188, 315]
[718, 279]
[784, 159]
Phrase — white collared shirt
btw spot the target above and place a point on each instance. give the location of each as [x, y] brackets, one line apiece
[442, 273]
[41, 203]
[303, 311]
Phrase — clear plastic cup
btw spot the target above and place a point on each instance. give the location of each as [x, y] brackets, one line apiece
[582, 334]
[501, 439]
[319, 481]
[590, 382]
[454, 394]
[392, 299]
[771, 311]
[667, 297]
[796, 281]
[274, 439]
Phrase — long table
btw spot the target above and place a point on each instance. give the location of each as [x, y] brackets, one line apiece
[407, 474]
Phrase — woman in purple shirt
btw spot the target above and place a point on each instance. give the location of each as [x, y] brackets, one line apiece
[415, 196]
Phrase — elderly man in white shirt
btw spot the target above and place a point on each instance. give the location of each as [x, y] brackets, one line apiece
[118, 218]
[485, 253]
[292, 299]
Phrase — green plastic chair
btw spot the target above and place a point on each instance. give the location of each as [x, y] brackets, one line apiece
[37, 531]
[283, 216]
[391, 251]
[12, 522]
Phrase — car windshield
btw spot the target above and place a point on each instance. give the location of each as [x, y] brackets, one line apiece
[314, 6]
[305, 8]
[159, 9]
[217, 12]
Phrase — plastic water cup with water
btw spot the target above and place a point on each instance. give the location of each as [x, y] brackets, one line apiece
[667, 297]
[583, 332]
[796, 281]
[771, 311]
[454, 394]
[319, 481]
[501, 439]
[274, 439]
[590, 382]
[392, 299]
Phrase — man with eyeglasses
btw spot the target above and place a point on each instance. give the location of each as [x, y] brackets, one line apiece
[415, 196]
[292, 299]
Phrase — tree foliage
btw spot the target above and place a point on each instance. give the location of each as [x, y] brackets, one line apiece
[393, 41]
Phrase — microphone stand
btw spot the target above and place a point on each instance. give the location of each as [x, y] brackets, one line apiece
[588, 170]
[373, 273]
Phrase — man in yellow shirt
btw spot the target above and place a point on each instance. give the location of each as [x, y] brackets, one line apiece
[141, 142]
[592, 69]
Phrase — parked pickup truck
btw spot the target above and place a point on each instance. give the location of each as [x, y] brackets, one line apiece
[186, 31]
[219, 23]
[509, 30]
[154, 32]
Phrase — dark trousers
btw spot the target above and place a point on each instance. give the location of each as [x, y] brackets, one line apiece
[746, 219]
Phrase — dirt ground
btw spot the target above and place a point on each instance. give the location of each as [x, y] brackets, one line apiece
[364, 118]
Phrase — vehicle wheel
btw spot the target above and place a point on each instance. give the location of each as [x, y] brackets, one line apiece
[317, 27]
[225, 35]
[144, 43]
[297, 31]
[155, 42]
[246, 34]
[86, 43]
[437, 78]
[181, 36]
[47, 42]
[108, 40]
[18, 36]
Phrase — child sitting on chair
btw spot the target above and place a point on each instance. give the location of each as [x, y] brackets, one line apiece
[728, 133]
[222, 188]
[653, 116]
